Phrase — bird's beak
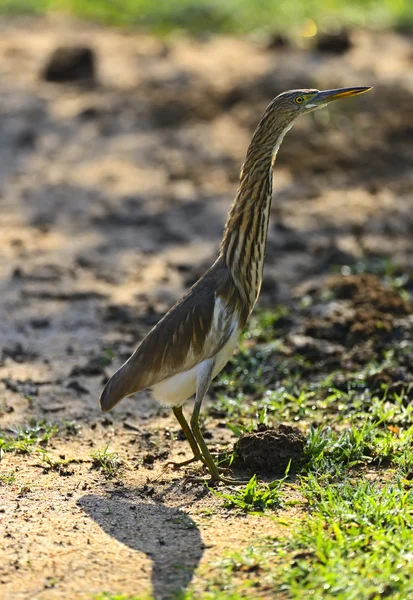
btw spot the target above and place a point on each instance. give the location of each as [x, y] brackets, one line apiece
[326, 96]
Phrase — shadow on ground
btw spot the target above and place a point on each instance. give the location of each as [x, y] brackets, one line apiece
[165, 534]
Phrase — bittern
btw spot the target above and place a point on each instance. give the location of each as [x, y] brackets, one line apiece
[192, 343]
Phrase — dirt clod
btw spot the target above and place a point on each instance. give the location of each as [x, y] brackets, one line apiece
[334, 43]
[75, 63]
[271, 449]
[369, 290]
[363, 308]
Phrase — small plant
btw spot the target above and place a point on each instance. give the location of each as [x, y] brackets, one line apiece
[107, 596]
[71, 428]
[255, 497]
[265, 324]
[25, 439]
[355, 541]
[59, 465]
[108, 462]
[7, 478]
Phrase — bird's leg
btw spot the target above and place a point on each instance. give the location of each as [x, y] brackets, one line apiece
[178, 412]
[202, 385]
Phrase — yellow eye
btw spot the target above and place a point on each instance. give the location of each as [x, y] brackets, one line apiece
[299, 100]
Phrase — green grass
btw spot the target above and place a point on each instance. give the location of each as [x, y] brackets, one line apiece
[211, 595]
[353, 539]
[24, 440]
[72, 428]
[243, 573]
[261, 378]
[107, 596]
[349, 535]
[355, 545]
[108, 462]
[239, 16]
[189, 595]
[7, 478]
[254, 497]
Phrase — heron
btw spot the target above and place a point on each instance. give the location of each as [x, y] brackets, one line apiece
[193, 342]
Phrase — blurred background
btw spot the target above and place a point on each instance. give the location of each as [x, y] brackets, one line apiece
[233, 16]
[123, 128]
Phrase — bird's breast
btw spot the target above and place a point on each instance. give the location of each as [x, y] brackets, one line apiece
[219, 344]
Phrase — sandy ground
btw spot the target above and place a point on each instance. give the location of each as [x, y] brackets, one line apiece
[113, 197]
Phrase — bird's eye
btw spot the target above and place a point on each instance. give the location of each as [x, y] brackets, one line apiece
[299, 100]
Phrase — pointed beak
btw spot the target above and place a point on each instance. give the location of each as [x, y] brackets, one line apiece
[329, 95]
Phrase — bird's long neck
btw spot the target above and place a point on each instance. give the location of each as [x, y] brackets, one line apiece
[245, 235]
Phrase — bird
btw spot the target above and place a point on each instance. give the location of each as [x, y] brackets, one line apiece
[192, 343]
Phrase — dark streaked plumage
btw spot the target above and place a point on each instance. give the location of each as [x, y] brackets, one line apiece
[194, 340]
[177, 342]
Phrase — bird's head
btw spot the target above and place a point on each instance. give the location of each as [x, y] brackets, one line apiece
[293, 103]
[285, 108]
[281, 114]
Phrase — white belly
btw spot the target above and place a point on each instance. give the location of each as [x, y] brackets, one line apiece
[175, 390]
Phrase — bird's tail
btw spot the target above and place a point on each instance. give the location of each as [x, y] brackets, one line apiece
[121, 384]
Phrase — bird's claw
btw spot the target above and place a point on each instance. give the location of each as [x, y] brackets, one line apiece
[184, 463]
[214, 481]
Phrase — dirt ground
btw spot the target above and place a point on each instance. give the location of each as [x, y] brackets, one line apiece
[113, 197]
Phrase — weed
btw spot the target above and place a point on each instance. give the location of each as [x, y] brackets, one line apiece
[60, 465]
[265, 325]
[24, 440]
[244, 373]
[70, 427]
[248, 560]
[187, 595]
[7, 478]
[108, 596]
[255, 497]
[108, 462]
[327, 451]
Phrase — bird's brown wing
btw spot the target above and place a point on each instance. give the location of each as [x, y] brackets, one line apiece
[194, 329]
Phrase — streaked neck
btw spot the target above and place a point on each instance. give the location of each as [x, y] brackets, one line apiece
[245, 235]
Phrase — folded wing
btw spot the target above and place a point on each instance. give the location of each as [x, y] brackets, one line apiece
[195, 329]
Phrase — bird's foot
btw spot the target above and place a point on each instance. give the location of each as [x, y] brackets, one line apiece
[179, 465]
[184, 463]
[231, 481]
[224, 469]
[213, 481]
